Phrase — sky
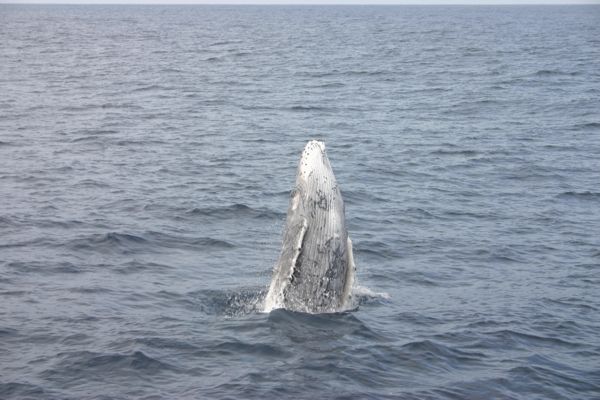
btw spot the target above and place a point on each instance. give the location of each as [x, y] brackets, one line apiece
[304, 1]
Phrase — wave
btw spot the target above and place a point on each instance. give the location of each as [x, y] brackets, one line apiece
[554, 72]
[135, 266]
[103, 106]
[580, 195]
[124, 243]
[8, 332]
[465, 152]
[224, 42]
[294, 108]
[347, 73]
[328, 85]
[362, 196]
[238, 347]
[310, 108]
[297, 325]
[20, 390]
[509, 339]
[235, 211]
[439, 356]
[572, 303]
[560, 379]
[377, 249]
[152, 88]
[88, 364]
[586, 125]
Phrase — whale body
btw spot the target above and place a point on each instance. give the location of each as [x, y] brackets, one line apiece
[315, 270]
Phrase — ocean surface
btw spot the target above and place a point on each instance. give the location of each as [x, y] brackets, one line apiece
[147, 154]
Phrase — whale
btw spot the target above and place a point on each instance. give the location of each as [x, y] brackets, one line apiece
[315, 271]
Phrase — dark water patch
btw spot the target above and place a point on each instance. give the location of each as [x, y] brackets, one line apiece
[428, 279]
[94, 366]
[44, 268]
[92, 183]
[586, 125]
[18, 390]
[342, 74]
[135, 266]
[67, 268]
[440, 357]
[103, 106]
[509, 339]
[473, 389]
[88, 138]
[91, 290]
[161, 343]
[236, 211]
[562, 384]
[153, 87]
[57, 223]
[572, 303]
[457, 152]
[328, 85]
[7, 221]
[584, 196]
[110, 242]
[418, 319]
[554, 72]
[419, 213]
[149, 242]
[77, 339]
[8, 332]
[376, 249]
[308, 328]
[95, 132]
[78, 319]
[14, 293]
[241, 349]
[138, 142]
[351, 196]
[303, 108]
[224, 42]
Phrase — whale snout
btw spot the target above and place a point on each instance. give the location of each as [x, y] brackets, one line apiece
[314, 159]
[314, 144]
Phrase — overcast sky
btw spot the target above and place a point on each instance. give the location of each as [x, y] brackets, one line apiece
[307, 1]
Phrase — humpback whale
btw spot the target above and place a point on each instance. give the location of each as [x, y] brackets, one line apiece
[315, 270]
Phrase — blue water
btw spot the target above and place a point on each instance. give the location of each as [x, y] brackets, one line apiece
[146, 160]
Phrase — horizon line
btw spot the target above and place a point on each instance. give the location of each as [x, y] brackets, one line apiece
[174, 4]
[310, 3]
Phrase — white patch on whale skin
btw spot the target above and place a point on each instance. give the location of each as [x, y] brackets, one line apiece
[350, 277]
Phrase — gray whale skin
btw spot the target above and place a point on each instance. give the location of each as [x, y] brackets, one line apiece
[315, 270]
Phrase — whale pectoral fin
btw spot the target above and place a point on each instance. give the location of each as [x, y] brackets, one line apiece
[298, 243]
[346, 298]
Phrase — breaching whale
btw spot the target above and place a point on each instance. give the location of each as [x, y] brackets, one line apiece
[315, 270]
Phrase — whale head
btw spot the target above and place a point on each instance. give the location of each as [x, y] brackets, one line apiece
[316, 188]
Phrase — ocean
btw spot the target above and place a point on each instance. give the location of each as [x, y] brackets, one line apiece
[147, 154]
